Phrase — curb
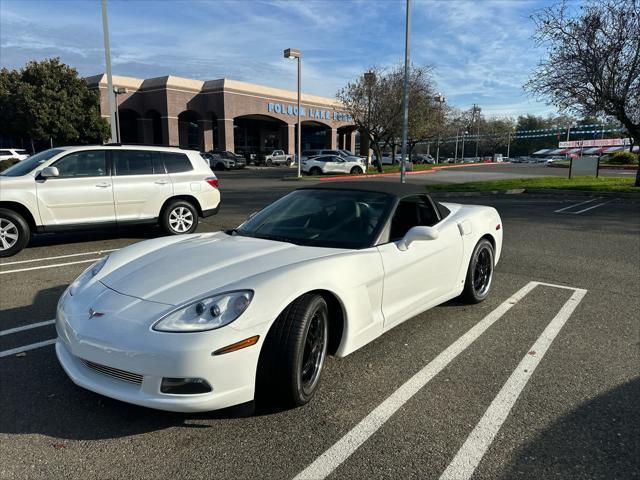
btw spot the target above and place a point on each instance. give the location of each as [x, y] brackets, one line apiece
[539, 191]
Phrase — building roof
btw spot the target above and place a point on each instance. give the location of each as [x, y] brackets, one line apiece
[396, 189]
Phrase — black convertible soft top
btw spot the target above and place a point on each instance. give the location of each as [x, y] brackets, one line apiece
[396, 188]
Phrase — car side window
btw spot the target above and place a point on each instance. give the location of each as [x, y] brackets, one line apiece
[132, 162]
[90, 163]
[176, 162]
[412, 211]
[5, 152]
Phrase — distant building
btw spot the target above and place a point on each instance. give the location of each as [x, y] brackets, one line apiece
[224, 115]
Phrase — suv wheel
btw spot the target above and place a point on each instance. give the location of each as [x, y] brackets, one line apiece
[14, 233]
[315, 171]
[179, 217]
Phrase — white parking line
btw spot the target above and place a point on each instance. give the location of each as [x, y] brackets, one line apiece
[576, 205]
[97, 252]
[470, 454]
[26, 327]
[349, 443]
[49, 266]
[26, 348]
[591, 208]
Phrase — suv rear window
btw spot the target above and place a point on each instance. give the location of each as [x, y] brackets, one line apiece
[176, 162]
[131, 162]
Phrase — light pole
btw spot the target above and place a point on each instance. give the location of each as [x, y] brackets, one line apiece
[464, 135]
[369, 79]
[476, 111]
[118, 91]
[440, 99]
[405, 96]
[295, 53]
[107, 57]
[455, 157]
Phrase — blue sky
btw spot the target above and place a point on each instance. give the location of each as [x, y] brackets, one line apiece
[481, 50]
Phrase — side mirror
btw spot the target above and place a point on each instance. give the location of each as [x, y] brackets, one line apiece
[48, 172]
[417, 234]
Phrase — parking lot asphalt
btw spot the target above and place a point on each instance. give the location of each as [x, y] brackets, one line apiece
[454, 387]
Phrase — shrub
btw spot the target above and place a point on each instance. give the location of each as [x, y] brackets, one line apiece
[623, 158]
[7, 162]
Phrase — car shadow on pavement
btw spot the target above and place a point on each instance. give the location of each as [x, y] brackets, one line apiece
[599, 439]
[141, 232]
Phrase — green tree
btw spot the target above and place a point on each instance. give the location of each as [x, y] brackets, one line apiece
[48, 102]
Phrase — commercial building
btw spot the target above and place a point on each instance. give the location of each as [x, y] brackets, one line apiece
[224, 115]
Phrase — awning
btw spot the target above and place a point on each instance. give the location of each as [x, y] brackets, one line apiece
[572, 150]
[613, 149]
[544, 151]
[593, 151]
[557, 151]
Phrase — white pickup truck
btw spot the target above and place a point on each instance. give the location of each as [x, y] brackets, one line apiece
[278, 157]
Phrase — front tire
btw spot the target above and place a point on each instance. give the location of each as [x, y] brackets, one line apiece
[269, 163]
[14, 232]
[356, 171]
[179, 217]
[294, 351]
[480, 273]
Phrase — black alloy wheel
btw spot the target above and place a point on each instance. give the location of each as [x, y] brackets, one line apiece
[293, 354]
[356, 171]
[480, 273]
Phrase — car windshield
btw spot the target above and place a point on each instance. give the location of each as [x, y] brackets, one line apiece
[322, 218]
[31, 163]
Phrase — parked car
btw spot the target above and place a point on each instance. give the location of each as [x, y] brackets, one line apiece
[278, 157]
[422, 158]
[210, 321]
[102, 186]
[323, 164]
[346, 154]
[19, 153]
[217, 162]
[240, 161]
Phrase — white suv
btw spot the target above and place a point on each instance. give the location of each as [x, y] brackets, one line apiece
[323, 164]
[101, 186]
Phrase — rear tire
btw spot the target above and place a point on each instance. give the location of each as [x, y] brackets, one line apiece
[293, 354]
[14, 232]
[289, 162]
[480, 273]
[315, 171]
[179, 217]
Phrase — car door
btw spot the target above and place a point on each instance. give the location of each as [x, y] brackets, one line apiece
[332, 164]
[416, 278]
[140, 184]
[82, 193]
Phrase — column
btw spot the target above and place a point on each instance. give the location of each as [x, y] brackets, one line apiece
[206, 129]
[289, 145]
[170, 132]
[145, 131]
[331, 141]
[225, 134]
[351, 142]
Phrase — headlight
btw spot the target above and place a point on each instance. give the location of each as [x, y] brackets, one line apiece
[207, 313]
[87, 275]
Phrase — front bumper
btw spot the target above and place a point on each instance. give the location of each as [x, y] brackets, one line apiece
[149, 356]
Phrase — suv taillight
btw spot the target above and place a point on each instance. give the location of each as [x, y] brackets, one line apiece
[213, 181]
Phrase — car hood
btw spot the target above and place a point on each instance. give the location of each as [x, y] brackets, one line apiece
[198, 264]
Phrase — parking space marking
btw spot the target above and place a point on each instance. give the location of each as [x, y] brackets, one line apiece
[333, 457]
[26, 327]
[576, 205]
[478, 442]
[97, 252]
[26, 348]
[49, 266]
[591, 208]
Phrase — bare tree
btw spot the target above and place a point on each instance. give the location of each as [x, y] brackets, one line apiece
[593, 60]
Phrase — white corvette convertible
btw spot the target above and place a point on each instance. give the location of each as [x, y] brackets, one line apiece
[207, 321]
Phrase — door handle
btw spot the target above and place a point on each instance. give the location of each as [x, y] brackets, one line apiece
[103, 185]
[161, 182]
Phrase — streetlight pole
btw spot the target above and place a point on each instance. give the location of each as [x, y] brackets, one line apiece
[405, 96]
[295, 53]
[440, 99]
[455, 157]
[476, 111]
[107, 57]
[464, 135]
[118, 91]
[369, 79]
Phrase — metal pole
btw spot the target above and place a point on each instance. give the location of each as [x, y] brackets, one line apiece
[299, 149]
[405, 100]
[509, 144]
[107, 57]
[477, 110]
[464, 134]
[118, 139]
[455, 158]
